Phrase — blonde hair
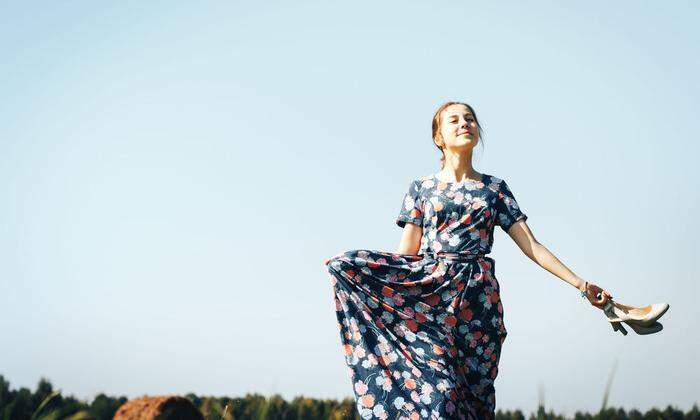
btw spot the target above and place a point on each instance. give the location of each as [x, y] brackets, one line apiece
[437, 122]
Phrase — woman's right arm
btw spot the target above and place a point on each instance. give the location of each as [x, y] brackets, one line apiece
[410, 239]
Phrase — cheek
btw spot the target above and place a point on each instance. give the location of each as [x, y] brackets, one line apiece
[447, 132]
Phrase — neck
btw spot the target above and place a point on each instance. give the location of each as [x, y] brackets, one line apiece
[458, 165]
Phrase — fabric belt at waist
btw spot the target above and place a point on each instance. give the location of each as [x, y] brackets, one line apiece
[457, 256]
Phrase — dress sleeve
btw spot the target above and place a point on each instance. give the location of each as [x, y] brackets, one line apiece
[412, 206]
[507, 210]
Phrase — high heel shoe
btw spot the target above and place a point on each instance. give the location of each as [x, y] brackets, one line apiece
[641, 323]
[645, 316]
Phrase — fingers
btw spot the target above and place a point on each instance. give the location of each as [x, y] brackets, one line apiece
[599, 300]
[601, 296]
[606, 294]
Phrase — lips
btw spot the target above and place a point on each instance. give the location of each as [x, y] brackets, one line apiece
[466, 133]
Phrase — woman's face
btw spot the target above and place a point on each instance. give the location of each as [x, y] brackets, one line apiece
[458, 128]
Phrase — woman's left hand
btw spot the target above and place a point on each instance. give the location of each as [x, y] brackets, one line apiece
[596, 295]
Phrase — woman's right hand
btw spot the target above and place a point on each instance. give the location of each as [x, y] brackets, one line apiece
[596, 295]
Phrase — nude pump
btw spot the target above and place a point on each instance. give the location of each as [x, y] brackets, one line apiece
[642, 320]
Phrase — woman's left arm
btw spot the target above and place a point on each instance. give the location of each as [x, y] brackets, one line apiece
[522, 235]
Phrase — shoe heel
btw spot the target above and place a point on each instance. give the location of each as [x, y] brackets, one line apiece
[617, 326]
[643, 329]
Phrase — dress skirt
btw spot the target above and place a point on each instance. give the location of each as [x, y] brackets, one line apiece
[421, 334]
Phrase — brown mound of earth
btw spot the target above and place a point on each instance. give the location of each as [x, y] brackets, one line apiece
[158, 408]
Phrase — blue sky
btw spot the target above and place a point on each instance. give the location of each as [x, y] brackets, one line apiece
[174, 175]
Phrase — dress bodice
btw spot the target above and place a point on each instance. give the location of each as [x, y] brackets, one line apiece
[459, 216]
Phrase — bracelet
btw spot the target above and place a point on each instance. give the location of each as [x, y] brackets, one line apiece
[584, 292]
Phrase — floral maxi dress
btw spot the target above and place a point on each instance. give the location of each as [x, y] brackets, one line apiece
[422, 334]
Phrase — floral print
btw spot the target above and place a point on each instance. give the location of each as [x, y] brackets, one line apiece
[422, 334]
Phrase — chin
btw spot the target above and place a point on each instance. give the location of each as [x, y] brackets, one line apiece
[465, 143]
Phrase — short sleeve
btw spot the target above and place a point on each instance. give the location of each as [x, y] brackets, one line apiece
[412, 206]
[507, 210]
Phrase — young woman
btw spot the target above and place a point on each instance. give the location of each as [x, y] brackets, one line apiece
[422, 328]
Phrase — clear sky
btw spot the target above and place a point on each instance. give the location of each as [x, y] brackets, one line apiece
[174, 174]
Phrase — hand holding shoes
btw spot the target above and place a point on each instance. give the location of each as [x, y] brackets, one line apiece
[595, 295]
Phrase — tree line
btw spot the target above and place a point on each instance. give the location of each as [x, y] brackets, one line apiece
[45, 403]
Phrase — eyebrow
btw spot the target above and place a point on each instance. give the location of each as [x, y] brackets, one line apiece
[457, 115]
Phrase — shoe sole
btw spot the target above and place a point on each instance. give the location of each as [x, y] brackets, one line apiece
[643, 329]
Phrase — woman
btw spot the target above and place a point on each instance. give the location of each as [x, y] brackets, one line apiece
[422, 328]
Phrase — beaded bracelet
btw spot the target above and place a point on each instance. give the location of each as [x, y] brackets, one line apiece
[584, 292]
